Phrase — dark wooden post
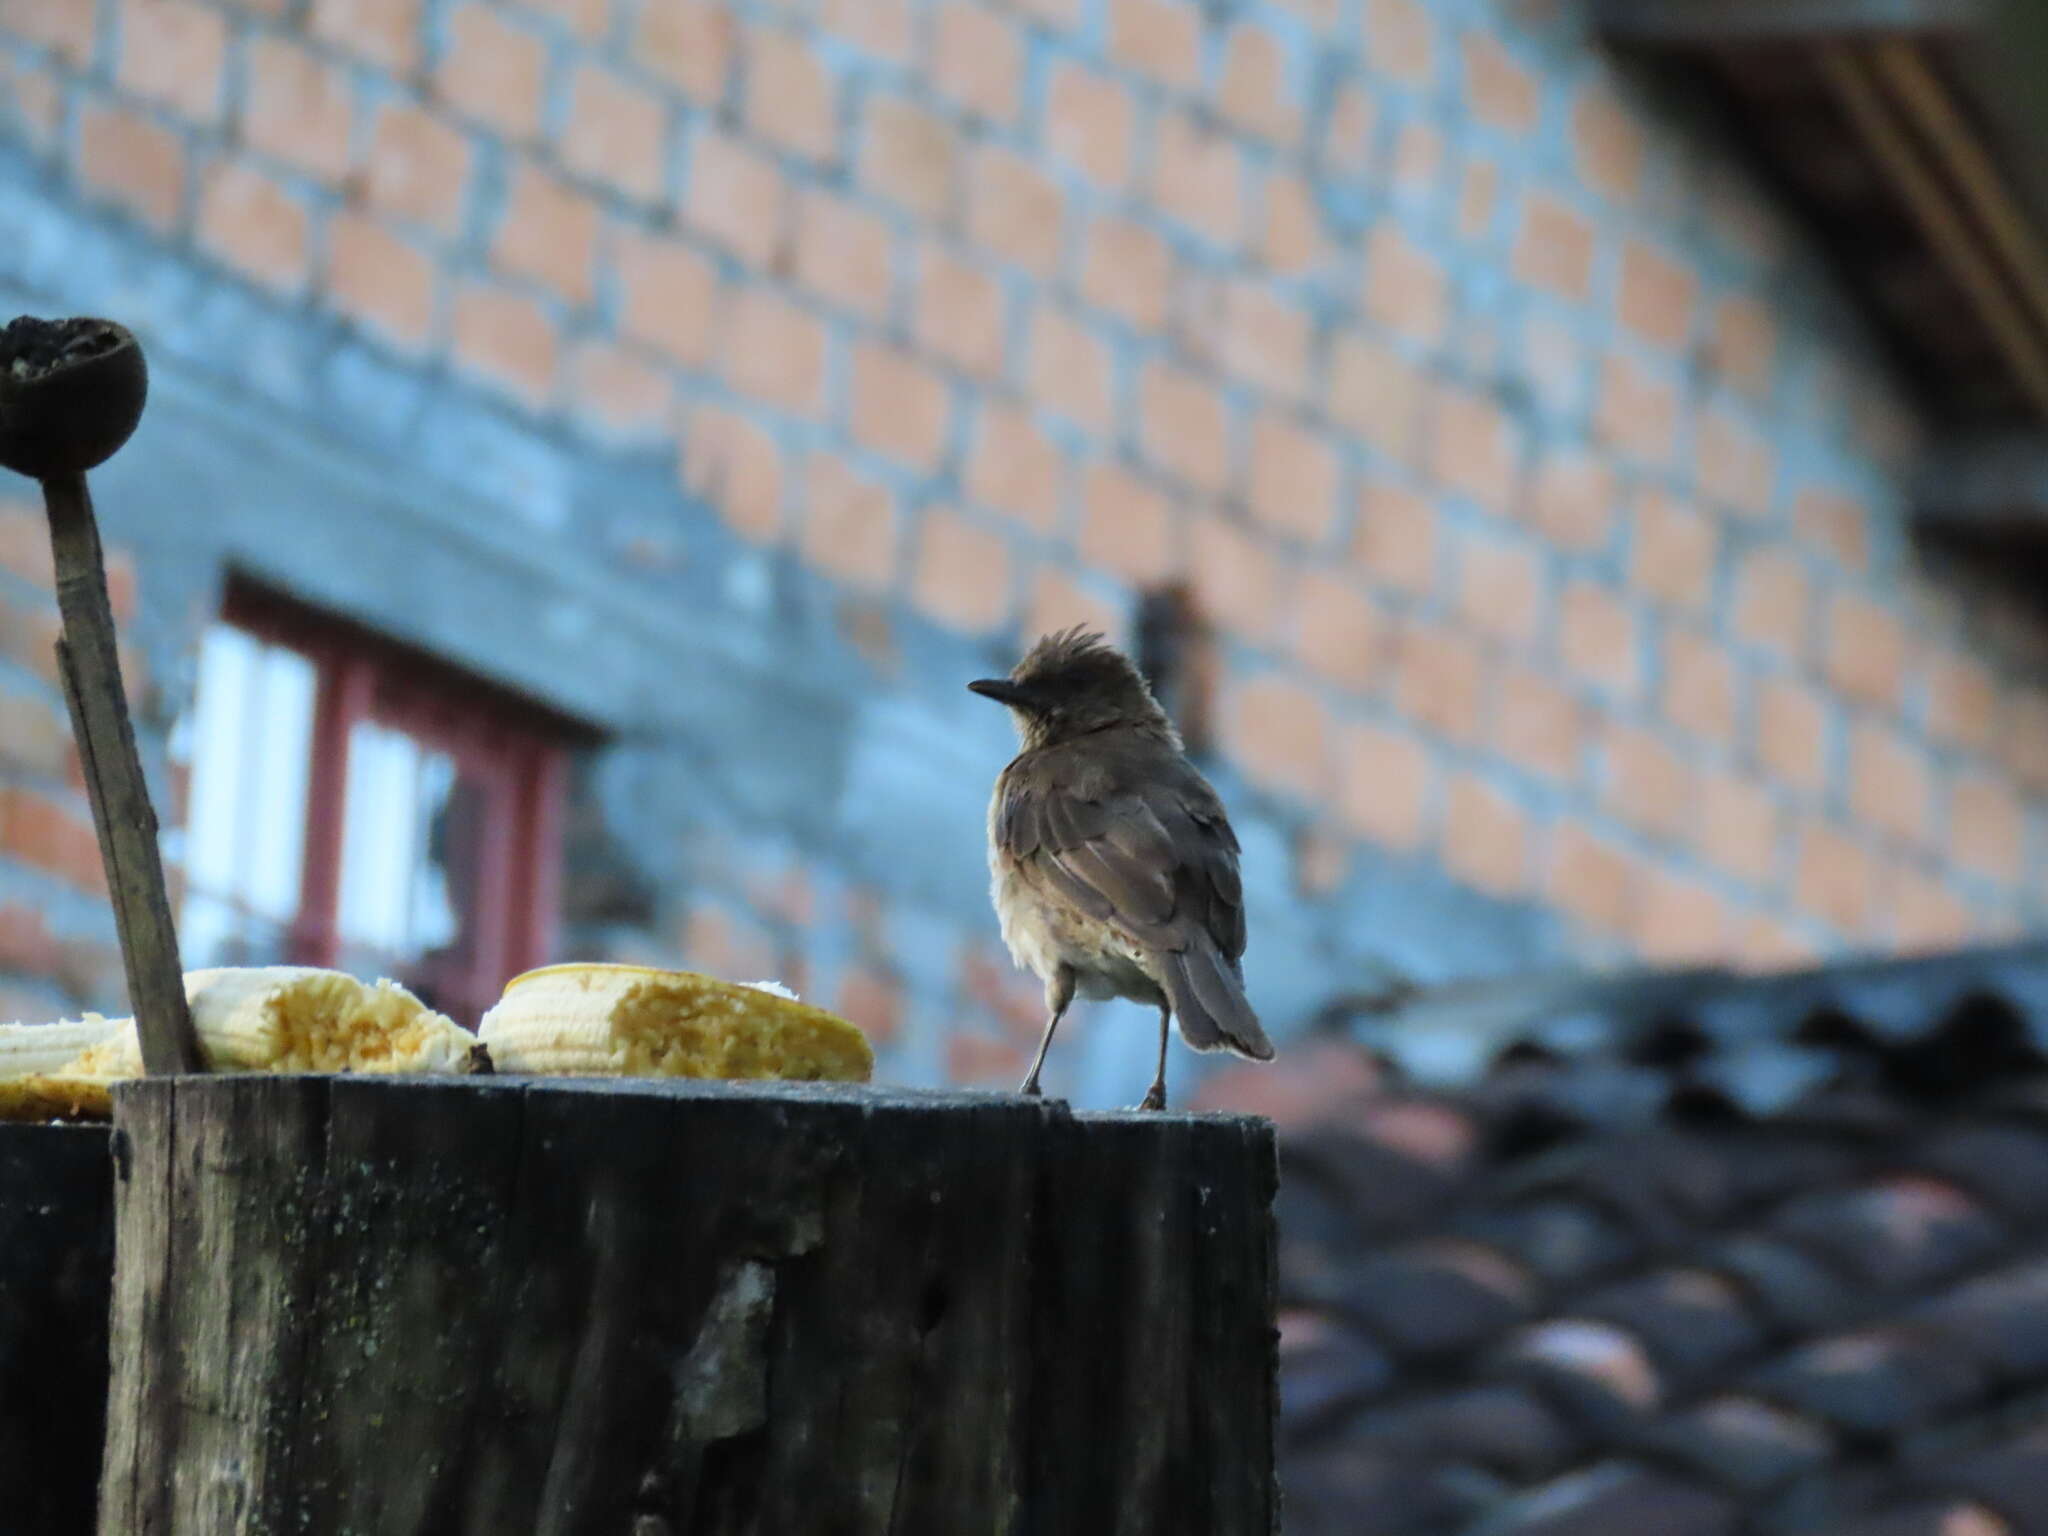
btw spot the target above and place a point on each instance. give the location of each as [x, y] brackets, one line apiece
[688, 1309]
[56, 1267]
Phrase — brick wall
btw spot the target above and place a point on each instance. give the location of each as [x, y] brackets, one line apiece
[1543, 496]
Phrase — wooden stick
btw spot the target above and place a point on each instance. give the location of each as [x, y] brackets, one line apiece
[90, 661]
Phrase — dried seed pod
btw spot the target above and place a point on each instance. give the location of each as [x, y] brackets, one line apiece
[71, 392]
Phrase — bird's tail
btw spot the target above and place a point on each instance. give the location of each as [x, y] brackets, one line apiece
[1207, 994]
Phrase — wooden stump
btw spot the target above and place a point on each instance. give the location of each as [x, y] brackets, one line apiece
[497, 1305]
[56, 1266]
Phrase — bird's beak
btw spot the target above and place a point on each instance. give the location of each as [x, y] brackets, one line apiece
[1001, 689]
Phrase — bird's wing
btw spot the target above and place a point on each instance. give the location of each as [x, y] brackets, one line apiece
[1132, 837]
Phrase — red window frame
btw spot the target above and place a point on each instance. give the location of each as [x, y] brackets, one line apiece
[515, 750]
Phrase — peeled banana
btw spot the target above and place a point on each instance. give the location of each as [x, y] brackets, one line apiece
[260, 1019]
[594, 1020]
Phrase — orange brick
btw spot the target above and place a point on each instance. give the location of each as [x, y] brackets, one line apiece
[1090, 122]
[737, 198]
[1836, 524]
[1592, 879]
[1926, 917]
[586, 18]
[616, 392]
[962, 578]
[1184, 427]
[1792, 733]
[418, 169]
[1406, 289]
[1266, 340]
[1439, 679]
[255, 225]
[1638, 410]
[1397, 541]
[25, 547]
[1745, 344]
[1254, 92]
[296, 108]
[1700, 689]
[1987, 828]
[691, 45]
[668, 297]
[850, 525]
[901, 408]
[1015, 211]
[1127, 270]
[1679, 921]
[1233, 576]
[173, 53]
[1537, 725]
[2022, 745]
[1475, 450]
[1384, 781]
[1891, 783]
[977, 1060]
[1866, 650]
[1486, 838]
[1400, 40]
[885, 28]
[1377, 395]
[493, 70]
[1554, 250]
[716, 942]
[1500, 589]
[506, 339]
[1294, 240]
[1767, 945]
[844, 254]
[1772, 602]
[31, 101]
[377, 278]
[734, 464]
[385, 32]
[1071, 372]
[1198, 178]
[775, 352]
[1127, 526]
[1280, 733]
[1015, 468]
[1672, 552]
[1962, 700]
[617, 134]
[66, 30]
[1060, 602]
[1608, 144]
[977, 60]
[132, 162]
[1735, 828]
[1293, 482]
[1351, 131]
[791, 100]
[1418, 160]
[1835, 878]
[1658, 292]
[1339, 633]
[1597, 638]
[1499, 92]
[1320, 861]
[872, 1003]
[911, 157]
[34, 736]
[1737, 469]
[1478, 197]
[1159, 38]
[960, 313]
[548, 233]
[1648, 785]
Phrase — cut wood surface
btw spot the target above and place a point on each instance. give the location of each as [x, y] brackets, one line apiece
[56, 1267]
[498, 1305]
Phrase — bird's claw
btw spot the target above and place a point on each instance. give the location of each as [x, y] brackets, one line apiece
[1153, 1100]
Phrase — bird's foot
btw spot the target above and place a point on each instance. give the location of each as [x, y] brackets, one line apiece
[1155, 1099]
[1030, 1088]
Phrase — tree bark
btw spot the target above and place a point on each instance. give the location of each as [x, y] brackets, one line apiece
[56, 1267]
[687, 1309]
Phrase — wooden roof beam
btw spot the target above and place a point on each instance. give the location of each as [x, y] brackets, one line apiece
[1695, 23]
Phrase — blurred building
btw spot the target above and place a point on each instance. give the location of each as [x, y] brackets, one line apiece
[592, 443]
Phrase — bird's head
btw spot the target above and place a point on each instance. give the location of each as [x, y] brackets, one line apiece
[1072, 683]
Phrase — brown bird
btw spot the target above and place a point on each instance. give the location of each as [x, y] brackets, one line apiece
[1113, 867]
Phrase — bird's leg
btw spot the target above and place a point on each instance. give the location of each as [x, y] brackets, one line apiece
[1155, 1096]
[1059, 993]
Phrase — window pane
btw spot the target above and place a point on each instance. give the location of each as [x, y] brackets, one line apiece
[248, 743]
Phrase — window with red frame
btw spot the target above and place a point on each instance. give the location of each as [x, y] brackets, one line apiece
[353, 803]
